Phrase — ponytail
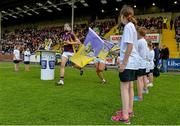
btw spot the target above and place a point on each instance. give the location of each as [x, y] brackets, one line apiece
[133, 20]
[128, 12]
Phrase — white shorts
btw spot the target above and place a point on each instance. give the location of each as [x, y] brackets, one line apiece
[98, 60]
[67, 54]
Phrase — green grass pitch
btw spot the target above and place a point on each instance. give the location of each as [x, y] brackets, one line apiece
[83, 100]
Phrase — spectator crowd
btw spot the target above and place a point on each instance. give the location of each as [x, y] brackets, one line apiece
[34, 38]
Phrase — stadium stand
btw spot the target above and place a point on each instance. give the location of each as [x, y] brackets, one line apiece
[34, 36]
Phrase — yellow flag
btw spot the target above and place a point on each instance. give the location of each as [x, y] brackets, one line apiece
[103, 54]
[81, 58]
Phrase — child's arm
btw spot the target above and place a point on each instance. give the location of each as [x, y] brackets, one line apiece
[126, 57]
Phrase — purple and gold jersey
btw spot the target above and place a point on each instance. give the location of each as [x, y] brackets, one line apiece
[65, 37]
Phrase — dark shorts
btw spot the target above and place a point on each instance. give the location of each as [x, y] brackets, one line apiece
[141, 72]
[16, 61]
[26, 62]
[147, 73]
[151, 71]
[128, 75]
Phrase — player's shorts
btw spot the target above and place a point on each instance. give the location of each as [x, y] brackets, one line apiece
[26, 62]
[99, 60]
[16, 61]
[141, 72]
[128, 75]
[67, 54]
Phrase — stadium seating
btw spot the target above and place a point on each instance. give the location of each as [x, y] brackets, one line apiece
[168, 39]
[34, 37]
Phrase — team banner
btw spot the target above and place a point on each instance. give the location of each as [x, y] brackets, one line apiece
[105, 50]
[83, 56]
[94, 41]
[93, 47]
[154, 38]
[93, 44]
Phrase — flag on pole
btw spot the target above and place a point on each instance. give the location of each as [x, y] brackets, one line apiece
[106, 49]
[82, 57]
[95, 41]
[93, 47]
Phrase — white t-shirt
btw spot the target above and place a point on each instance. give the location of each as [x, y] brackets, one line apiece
[147, 60]
[142, 50]
[130, 36]
[27, 55]
[16, 54]
[151, 59]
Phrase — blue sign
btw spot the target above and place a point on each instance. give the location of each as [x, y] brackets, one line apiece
[51, 64]
[174, 64]
[43, 64]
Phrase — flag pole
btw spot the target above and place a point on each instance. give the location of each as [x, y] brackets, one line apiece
[72, 18]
